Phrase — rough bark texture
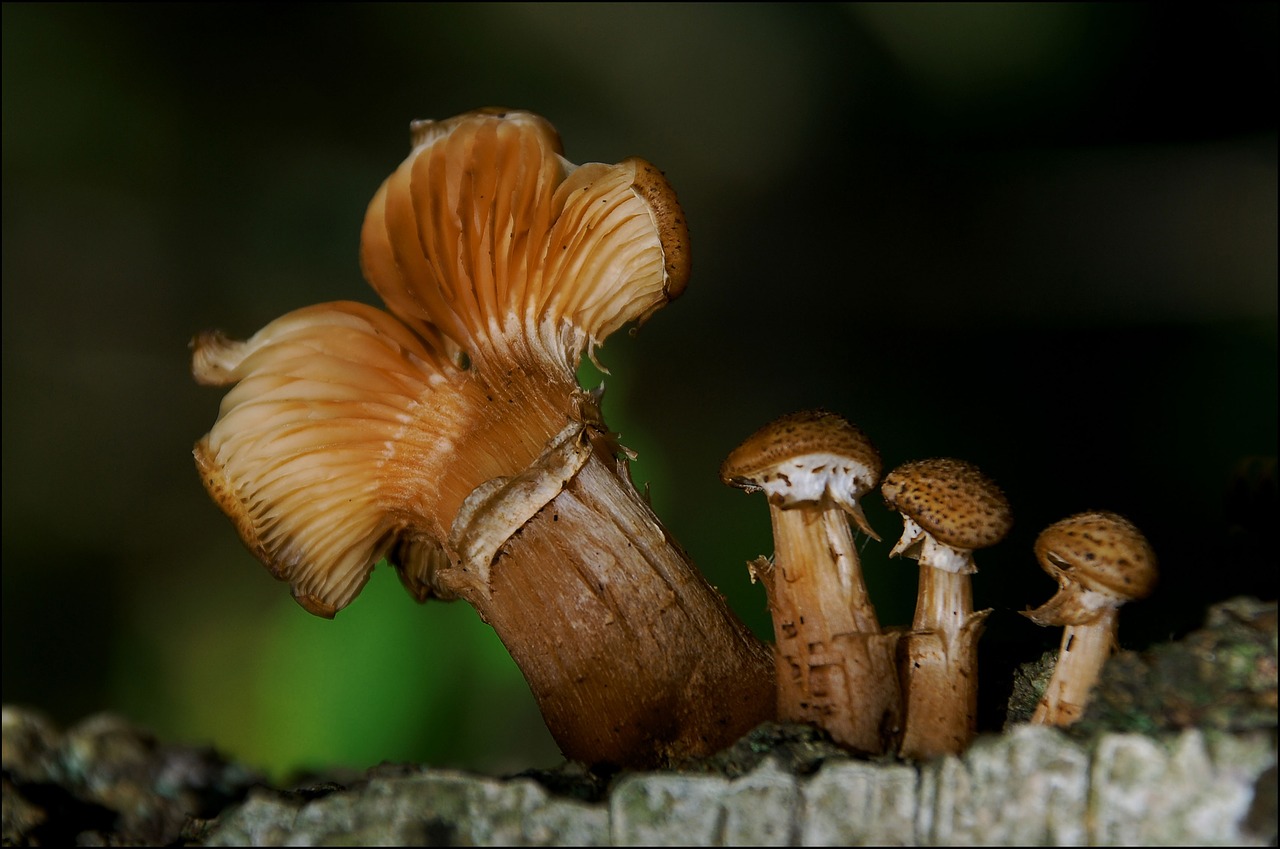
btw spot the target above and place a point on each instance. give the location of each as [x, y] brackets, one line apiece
[1205, 774]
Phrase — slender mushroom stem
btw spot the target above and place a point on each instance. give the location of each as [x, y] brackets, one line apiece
[1084, 651]
[939, 667]
[819, 564]
[944, 601]
[835, 668]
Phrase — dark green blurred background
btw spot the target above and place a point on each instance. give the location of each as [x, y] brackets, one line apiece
[1042, 238]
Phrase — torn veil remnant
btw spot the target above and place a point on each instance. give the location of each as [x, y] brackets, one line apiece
[835, 667]
[451, 437]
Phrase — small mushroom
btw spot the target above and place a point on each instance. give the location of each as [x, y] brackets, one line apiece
[949, 509]
[835, 668]
[1100, 561]
[451, 436]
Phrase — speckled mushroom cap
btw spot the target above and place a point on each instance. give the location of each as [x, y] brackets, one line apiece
[950, 499]
[1103, 552]
[804, 456]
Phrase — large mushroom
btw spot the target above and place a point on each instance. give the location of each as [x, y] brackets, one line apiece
[949, 508]
[835, 667]
[1100, 561]
[451, 436]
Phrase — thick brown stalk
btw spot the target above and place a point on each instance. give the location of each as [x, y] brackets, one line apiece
[939, 665]
[632, 656]
[835, 667]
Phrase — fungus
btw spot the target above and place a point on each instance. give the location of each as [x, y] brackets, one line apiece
[834, 666]
[1100, 560]
[949, 509]
[451, 436]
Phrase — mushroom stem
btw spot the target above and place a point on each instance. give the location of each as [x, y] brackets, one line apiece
[941, 656]
[835, 667]
[945, 601]
[1085, 649]
[939, 665]
[633, 658]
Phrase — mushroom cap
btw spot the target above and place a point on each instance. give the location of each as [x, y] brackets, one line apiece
[303, 457]
[803, 457]
[1100, 551]
[352, 433]
[487, 238]
[952, 500]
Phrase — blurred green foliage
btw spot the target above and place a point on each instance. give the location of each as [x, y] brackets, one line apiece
[1040, 237]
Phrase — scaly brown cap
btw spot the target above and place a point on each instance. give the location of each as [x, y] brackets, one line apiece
[950, 499]
[1099, 559]
[802, 458]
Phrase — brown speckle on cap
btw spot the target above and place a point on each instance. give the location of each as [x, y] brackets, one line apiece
[796, 435]
[952, 500]
[1101, 551]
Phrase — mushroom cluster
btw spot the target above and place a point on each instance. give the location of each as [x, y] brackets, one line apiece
[912, 692]
[874, 691]
[451, 437]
